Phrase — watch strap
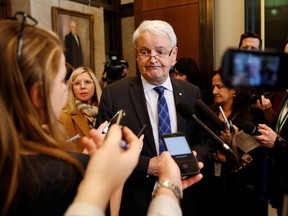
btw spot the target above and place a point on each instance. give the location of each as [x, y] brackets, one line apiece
[168, 184]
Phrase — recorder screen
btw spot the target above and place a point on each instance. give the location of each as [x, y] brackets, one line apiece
[177, 145]
[251, 69]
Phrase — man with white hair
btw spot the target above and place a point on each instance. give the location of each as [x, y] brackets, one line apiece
[156, 51]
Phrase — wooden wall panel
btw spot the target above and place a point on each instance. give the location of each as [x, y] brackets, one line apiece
[160, 4]
[184, 20]
[5, 9]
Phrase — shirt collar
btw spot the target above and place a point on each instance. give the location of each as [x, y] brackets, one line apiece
[147, 86]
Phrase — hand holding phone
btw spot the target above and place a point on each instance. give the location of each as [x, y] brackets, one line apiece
[117, 118]
[178, 147]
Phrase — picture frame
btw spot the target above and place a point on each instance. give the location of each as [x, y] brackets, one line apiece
[61, 19]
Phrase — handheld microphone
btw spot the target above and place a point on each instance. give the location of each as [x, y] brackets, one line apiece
[250, 128]
[211, 116]
[188, 112]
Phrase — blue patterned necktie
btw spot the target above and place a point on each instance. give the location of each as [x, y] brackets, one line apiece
[163, 116]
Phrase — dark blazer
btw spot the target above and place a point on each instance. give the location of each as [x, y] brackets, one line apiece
[128, 94]
[279, 171]
[47, 185]
[73, 51]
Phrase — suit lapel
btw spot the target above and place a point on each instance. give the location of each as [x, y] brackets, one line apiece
[139, 102]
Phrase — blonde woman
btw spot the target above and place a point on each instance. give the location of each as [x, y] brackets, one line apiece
[80, 112]
[37, 175]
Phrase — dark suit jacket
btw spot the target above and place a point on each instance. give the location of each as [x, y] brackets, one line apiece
[279, 171]
[128, 94]
[73, 51]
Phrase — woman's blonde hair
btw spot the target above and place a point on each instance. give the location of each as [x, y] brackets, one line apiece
[21, 128]
[70, 106]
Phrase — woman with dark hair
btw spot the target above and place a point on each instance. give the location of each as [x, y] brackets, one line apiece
[187, 69]
[239, 183]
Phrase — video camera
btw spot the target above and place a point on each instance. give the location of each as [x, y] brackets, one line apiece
[258, 69]
[113, 69]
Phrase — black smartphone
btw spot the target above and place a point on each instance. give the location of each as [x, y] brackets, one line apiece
[117, 118]
[265, 69]
[178, 147]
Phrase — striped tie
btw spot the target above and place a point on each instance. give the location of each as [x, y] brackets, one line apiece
[163, 116]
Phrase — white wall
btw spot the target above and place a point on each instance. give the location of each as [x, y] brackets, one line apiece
[229, 24]
[41, 11]
[128, 48]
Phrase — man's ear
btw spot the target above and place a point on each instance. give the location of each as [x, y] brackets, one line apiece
[36, 95]
[175, 51]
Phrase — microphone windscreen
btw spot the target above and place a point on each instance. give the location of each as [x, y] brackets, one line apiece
[209, 114]
[185, 110]
[250, 128]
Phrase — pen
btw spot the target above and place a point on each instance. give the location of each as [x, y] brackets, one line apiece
[124, 144]
[224, 117]
[74, 138]
[141, 131]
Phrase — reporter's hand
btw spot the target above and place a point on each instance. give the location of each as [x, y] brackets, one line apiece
[153, 166]
[268, 136]
[264, 104]
[109, 166]
[97, 137]
[169, 170]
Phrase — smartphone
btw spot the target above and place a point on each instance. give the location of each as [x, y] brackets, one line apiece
[178, 147]
[264, 69]
[117, 118]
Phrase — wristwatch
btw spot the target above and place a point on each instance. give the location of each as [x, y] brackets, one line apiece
[167, 184]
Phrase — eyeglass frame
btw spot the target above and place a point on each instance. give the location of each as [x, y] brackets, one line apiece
[157, 56]
[20, 37]
[78, 83]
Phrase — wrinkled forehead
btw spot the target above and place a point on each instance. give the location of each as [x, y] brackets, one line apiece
[150, 40]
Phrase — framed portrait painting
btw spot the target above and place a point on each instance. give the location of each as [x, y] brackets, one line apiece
[75, 30]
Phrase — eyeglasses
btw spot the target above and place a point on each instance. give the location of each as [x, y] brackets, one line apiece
[79, 83]
[32, 21]
[160, 54]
